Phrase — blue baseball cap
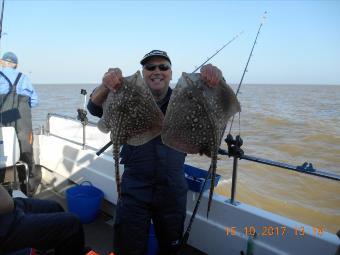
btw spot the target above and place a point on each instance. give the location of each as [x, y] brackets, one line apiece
[155, 53]
[10, 57]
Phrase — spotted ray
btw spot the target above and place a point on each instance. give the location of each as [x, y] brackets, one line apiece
[196, 118]
[131, 115]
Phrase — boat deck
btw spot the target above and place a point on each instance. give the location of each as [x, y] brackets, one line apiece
[98, 234]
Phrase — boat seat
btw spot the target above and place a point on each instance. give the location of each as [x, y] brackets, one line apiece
[10, 153]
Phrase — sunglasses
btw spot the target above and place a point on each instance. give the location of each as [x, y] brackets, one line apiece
[161, 67]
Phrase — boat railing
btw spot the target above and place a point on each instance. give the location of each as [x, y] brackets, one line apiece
[49, 115]
[81, 117]
[234, 150]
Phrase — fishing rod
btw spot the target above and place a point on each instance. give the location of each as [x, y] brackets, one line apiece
[2, 17]
[251, 53]
[246, 67]
[234, 145]
[1, 20]
[186, 235]
[193, 215]
[106, 146]
[230, 41]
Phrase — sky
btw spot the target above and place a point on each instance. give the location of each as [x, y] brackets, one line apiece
[77, 41]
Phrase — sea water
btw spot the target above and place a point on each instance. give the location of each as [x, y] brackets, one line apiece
[286, 123]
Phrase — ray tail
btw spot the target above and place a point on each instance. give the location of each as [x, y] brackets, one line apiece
[116, 159]
[213, 175]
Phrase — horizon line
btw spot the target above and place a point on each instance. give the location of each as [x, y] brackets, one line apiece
[232, 84]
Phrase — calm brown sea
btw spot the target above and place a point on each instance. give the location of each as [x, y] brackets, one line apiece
[285, 123]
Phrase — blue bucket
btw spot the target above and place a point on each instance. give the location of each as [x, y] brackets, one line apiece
[84, 201]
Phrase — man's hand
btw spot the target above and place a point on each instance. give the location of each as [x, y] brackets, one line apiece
[112, 79]
[211, 75]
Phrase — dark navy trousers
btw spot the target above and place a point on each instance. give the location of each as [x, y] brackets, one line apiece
[153, 188]
[41, 224]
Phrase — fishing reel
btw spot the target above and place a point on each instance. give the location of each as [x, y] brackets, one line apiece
[234, 146]
[82, 113]
[82, 116]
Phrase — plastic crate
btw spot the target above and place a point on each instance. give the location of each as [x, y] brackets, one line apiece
[196, 176]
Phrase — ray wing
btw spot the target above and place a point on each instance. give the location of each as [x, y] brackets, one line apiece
[131, 113]
[196, 118]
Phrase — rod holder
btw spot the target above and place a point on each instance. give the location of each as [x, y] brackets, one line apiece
[235, 151]
[82, 116]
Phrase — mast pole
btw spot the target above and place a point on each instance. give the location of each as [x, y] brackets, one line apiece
[1, 20]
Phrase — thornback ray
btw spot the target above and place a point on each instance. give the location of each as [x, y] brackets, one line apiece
[196, 118]
[131, 115]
